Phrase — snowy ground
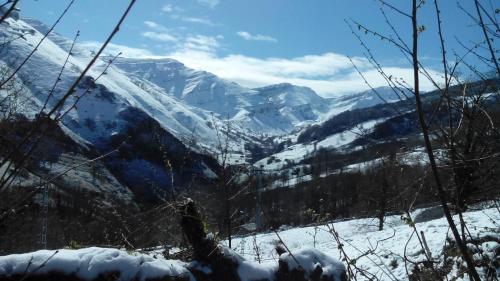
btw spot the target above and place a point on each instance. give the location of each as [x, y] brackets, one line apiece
[361, 235]
[89, 263]
[378, 252]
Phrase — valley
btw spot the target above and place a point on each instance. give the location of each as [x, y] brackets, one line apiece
[171, 156]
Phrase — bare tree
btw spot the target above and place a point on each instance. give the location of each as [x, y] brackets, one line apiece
[467, 141]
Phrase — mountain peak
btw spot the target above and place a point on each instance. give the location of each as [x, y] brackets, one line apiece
[281, 86]
[151, 61]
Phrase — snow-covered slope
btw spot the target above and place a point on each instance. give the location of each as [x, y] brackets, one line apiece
[110, 94]
[381, 252]
[282, 108]
[112, 106]
[365, 99]
[298, 151]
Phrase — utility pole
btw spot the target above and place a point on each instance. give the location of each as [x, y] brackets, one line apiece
[44, 214]
[45, 210]
[258, 207]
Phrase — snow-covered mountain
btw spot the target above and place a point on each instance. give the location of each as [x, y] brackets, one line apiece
[196, 88]
[183, 100]
[372, 97]
[271, 110]
[113, 107]
[144, 98]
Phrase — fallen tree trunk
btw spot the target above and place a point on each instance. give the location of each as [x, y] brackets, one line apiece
[206, 252]
[224, 264]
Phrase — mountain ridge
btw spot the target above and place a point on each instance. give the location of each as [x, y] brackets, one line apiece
[189, 108]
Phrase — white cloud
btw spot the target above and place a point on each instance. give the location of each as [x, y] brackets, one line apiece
[159, 36]
[207, 44]
[257, 37]
[114, 49]
[198, 20]
[153, 25]
[158, 32]
[167, 8]
[209, 3]
[329, 74]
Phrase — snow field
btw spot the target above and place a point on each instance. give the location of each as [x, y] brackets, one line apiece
[360, 236]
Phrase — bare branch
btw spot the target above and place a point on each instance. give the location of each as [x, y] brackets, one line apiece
[9, 11]
[2, 83]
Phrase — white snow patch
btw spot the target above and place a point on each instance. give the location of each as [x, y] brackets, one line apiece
[89, 263]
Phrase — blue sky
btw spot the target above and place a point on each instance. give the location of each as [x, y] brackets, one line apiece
[259, 42]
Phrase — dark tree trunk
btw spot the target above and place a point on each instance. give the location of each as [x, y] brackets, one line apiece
[205, 250]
